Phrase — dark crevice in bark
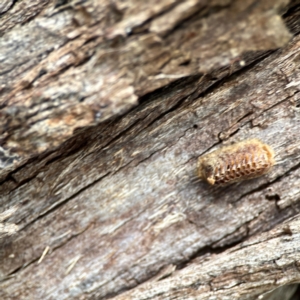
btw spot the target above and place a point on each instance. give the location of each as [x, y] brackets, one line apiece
[102, 140]
[292, 19]
[70, 147]
[169, 89]
[11, 7]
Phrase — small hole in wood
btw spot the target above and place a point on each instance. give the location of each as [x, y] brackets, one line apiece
[275, 197]
[185, 63]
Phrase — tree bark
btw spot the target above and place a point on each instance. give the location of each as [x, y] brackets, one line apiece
[105, 108]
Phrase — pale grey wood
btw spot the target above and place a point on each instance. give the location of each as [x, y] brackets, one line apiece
[105, 108]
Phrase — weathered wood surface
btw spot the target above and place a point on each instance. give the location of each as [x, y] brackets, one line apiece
[105, 107]
[238, 273]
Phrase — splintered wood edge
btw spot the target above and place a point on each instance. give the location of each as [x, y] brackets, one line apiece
[222, 276]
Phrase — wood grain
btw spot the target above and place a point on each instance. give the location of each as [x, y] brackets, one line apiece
[105, 108]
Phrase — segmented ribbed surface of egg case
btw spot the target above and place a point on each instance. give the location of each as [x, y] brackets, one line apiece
[241, 161]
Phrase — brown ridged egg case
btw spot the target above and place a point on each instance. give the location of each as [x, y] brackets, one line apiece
[241, 161]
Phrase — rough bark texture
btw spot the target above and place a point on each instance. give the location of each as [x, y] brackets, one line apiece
[105, 108]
